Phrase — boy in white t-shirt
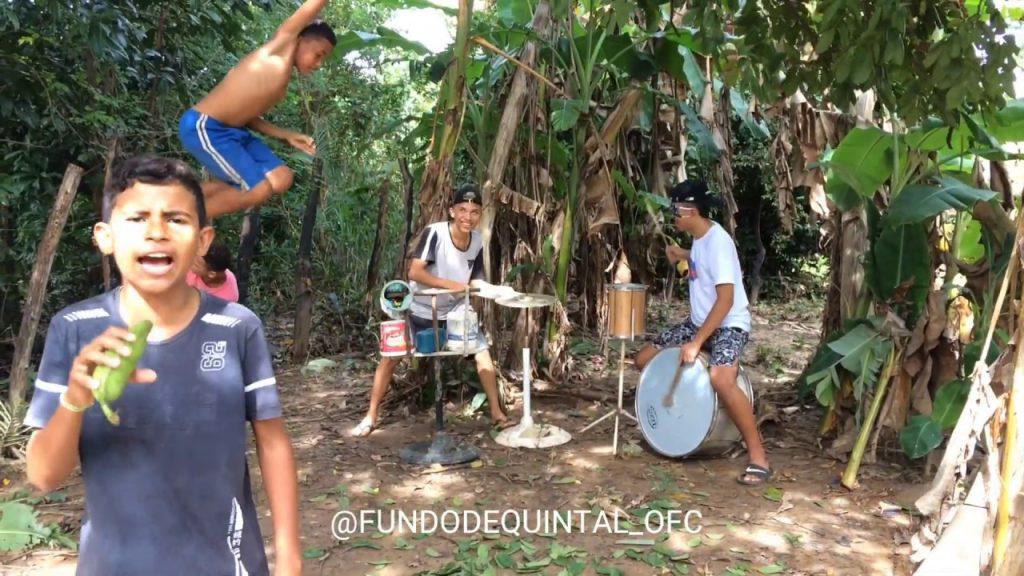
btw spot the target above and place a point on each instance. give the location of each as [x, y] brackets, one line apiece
[719, 320]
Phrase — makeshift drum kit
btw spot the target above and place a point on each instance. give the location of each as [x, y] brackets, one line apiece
[677, 409]
[461, 334]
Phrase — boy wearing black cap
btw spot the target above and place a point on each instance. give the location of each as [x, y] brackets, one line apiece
[719, 319]
[449, 256]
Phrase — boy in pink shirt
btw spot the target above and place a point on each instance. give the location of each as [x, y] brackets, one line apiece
[210, 273]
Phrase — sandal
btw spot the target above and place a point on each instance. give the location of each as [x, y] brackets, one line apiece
[363, 429]
[760, 475]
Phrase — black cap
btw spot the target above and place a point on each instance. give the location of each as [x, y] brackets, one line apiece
[467, 193]
[695, 192]
[692, 192]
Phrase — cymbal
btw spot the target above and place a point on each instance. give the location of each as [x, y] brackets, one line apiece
[527, 301]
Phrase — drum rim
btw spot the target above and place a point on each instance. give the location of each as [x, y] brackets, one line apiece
[626, 287]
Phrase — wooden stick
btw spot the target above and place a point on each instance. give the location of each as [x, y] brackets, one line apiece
[511, 59]
[1011, 269]
[622, 371]
[37, 285]
[669, 398]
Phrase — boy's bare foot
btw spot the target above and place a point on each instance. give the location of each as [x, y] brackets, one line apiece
[501, 423]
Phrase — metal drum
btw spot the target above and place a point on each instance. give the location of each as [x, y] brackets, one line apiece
[627, 310]
[695, 424]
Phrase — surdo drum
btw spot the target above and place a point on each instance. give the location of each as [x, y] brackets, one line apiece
[627, 311]
[692, 422]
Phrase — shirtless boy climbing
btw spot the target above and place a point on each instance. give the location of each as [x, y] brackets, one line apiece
[217, 129]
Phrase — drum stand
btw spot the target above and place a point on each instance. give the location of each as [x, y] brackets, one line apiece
[526, 434]
[442, 449]
[614, 333]
[618, 410]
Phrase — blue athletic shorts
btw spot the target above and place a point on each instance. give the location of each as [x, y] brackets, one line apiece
[230, 153]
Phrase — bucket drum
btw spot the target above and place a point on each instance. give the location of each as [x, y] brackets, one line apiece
[696, 423]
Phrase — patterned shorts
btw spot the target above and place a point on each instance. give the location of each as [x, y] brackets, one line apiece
[725, 344]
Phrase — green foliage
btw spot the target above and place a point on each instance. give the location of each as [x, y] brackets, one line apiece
[383, 37]
[842, 194]
[859, 351]
[898, 265]
[920, 202]
[565, 113]
[971, 246]
[864, 159]
[922, 58]
[949, 403]
[20, 529]
[80, 77]
[920, 436]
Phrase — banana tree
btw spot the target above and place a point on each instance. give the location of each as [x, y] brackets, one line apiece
[918, 179]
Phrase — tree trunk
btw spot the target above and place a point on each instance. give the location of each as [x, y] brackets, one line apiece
[107, 262]
[568, 228]
[435, 189]
[511, 117]
[373, 270]
[154, 91]
[304, 272]
[246, 250]
[408, 186]
[854, 238]
[755, 269]
[37, 284]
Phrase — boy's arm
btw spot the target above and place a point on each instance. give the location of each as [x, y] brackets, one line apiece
[297, 140]
[277, 464]
[52, 453]
[267, 129]
[301, 18]
[723, 303]
[675, 253]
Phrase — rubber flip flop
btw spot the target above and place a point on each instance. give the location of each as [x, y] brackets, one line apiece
[364, 428]
[760, 474]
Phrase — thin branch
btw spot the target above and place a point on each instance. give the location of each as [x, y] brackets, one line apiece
[507, 56]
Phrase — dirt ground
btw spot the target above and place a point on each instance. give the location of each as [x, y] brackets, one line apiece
[802, 522]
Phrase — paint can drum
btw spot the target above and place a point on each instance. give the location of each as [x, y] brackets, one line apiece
[394, 339]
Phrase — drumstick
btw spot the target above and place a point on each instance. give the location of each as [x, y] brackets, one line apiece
[669, 398]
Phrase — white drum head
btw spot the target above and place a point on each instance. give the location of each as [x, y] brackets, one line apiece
[678, 430]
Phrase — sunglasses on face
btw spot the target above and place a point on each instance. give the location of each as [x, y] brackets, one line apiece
[680, 210]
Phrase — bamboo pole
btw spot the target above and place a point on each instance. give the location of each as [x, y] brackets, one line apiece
[1008, 487]
[850, 475]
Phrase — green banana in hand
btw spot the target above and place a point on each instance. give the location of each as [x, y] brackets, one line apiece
[112, 381]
